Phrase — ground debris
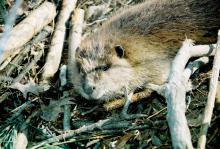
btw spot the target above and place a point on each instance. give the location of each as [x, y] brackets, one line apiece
[30, 108]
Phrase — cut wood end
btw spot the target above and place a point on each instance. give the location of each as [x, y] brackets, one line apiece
[77, 15]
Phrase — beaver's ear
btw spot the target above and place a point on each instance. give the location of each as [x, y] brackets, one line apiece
[119, 51]
[78, 49]
[78, 52]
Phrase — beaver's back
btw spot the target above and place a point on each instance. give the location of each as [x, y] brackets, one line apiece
[168, 19]
[152, 32]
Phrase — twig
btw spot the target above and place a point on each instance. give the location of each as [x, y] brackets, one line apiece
[67, 108]
[29, 27]
[158, 112]
[89, 111]
[117, 103]
[55, 51]
[71, 133]
[96, 21]
[74, 41]
[67, 117]
[211, 97]
[23, 106]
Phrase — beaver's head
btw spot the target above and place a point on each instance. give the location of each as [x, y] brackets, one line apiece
[102, 69]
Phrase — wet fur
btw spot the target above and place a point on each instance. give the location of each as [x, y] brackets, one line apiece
[150, 34]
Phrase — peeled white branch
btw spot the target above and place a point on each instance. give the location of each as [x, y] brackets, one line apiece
[175, 91]
[29, 27]
[55, 51]
[211, 97]
[74, 40]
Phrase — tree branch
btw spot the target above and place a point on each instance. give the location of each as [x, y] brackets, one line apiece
[175, 91]
[211, 97]
[55, 52]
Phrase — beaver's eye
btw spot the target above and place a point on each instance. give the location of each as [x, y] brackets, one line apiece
[105, 67]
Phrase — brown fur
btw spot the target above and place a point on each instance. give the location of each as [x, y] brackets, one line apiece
[150, 33]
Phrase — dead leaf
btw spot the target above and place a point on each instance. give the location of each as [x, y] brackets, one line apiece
[30, 87]
[96, 12]
[122, 141]
[55, 107]
[195, 122]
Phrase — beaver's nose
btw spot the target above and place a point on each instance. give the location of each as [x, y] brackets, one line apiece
[89, 89]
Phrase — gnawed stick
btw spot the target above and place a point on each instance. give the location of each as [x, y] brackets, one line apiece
[211, 97]
[55, 51]
[117, 103]
[74, 41]
[29, 27]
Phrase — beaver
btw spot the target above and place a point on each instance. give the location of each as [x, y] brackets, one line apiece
[137, 45]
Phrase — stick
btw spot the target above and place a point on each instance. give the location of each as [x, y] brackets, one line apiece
[67, 108]
[9, 25]
[211, 97]
[74, 41]
[67, 117]
[55, 51]
[175, 91]
[117, 103]
[29, 27]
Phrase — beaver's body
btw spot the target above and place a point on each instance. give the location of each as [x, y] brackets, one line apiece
[137, 45]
